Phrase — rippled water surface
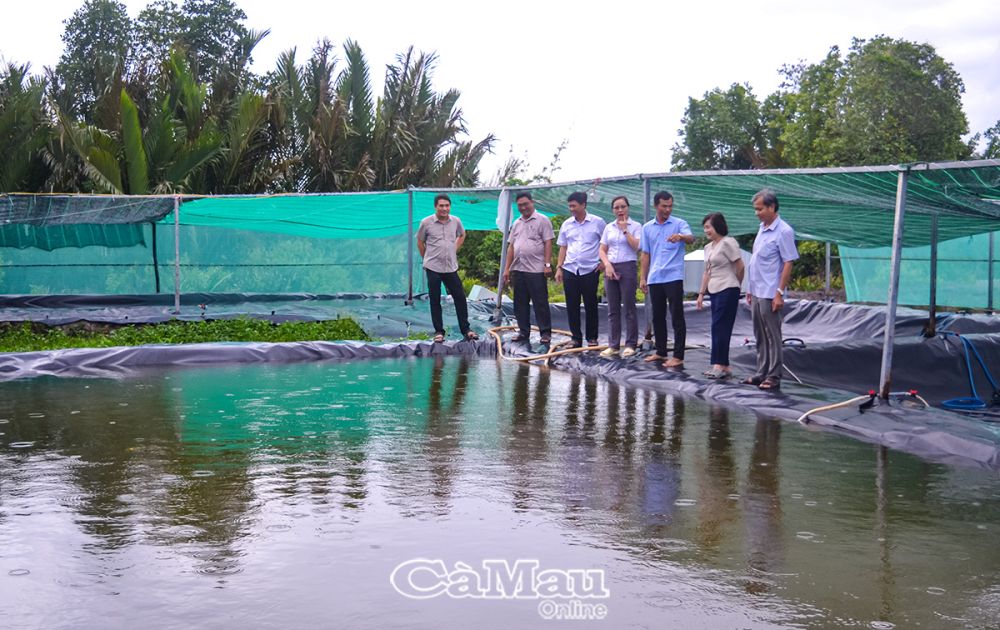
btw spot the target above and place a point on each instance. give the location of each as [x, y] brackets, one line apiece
[285, 496]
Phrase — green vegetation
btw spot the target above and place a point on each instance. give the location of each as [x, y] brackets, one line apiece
[167, 103]
[28, 336]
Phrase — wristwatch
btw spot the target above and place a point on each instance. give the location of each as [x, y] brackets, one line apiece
[548, 265]
[781, 292]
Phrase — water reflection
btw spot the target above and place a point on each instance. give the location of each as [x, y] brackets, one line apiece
[302, 477]
[762, 507]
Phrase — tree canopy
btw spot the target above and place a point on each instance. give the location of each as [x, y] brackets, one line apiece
[885, 101]
[168, 103]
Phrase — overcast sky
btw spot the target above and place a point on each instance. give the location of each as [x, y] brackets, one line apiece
[611, 78]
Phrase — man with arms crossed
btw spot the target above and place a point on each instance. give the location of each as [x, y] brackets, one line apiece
[439, 238]
[528, 254]
[770, 271]
[661, 274]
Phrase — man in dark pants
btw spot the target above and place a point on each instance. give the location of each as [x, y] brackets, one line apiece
[529, 251]
[579, 267]
[439, 238]
[661, 274]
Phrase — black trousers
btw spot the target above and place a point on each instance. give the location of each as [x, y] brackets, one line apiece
[660, 295]
[531, 288]
[724, 305]
[457, 292]
[576, 287]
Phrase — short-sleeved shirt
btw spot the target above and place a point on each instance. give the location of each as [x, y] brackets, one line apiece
[720, 263]
[527, 237]
[582, 240]
[440, 237]
[773, 247]
[618, 248]
[666, 259]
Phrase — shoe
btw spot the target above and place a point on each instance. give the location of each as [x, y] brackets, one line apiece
[607, 353]
[592, 343]
[628, 352]
[717, 374]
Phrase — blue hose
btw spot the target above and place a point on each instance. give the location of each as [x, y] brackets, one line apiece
[974, 402]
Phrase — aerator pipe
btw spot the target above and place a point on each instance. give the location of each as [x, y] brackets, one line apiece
[804, 418]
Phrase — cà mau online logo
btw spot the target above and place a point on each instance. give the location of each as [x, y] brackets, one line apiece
[423, 578]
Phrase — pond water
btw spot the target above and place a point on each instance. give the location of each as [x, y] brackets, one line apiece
[416, 493]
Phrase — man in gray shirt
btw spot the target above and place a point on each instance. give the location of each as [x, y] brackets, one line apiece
[439, 238]
[528, 255]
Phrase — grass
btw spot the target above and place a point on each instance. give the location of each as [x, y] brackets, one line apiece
[33, 336]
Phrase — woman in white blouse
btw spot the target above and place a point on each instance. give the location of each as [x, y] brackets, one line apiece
[618, 252]
[722, 280]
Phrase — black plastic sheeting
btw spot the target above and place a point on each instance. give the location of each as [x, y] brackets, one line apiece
[122, 361]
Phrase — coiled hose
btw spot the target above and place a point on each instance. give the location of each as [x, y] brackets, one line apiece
[973, 402]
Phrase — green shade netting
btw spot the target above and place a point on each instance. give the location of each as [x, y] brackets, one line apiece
[347, 216]
[963, 273]
[359, 243]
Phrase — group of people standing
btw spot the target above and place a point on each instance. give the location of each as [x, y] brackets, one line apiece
[631, 255]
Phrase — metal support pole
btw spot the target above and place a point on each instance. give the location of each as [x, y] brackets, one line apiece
[826, 290]
[409, 246]
[646, 200]
[506, 213]
[989, 275]
[156, 259]
[931, 328]
[177, 255]
[885, 375]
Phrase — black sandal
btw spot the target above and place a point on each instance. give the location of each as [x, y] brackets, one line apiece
[752, 380]
[770, 384]
[471, 336]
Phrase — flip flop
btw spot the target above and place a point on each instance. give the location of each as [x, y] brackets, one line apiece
[471, 336]
[752, 380]
[439, 338]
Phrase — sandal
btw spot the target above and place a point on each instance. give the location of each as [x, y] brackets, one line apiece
[752, 380]
[717, 374]
[439, 338]
[673, 362]
[770, 383]
[545, 341]
[471, 336]
[653, 357]
[518, 338]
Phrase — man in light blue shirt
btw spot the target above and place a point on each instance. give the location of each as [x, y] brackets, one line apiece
[579, 266]
[661, 275]
[769, 274]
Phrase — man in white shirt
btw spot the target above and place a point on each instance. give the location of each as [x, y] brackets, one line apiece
[579, 267]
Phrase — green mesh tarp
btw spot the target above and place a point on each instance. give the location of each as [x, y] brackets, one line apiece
[345, 217]
[362, 243]
[963, 273]
[849, 206]
[52, 222]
